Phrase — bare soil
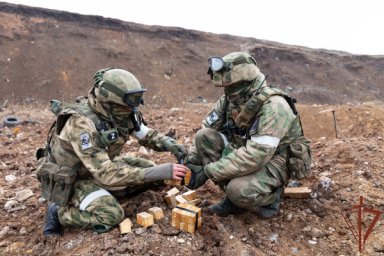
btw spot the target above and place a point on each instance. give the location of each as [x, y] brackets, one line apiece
[48, 54]
[352, 164]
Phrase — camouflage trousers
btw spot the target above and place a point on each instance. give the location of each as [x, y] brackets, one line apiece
[93, 206]
[249, 191]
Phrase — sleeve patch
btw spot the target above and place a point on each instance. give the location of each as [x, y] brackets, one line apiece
[85, 141]
[212, 117]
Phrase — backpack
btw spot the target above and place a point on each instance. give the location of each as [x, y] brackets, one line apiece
[57, 181]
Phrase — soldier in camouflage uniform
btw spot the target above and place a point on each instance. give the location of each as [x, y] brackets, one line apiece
[86, 140]
[242, 146]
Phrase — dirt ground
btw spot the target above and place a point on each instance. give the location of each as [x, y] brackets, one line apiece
[47, 54]
[344, 168]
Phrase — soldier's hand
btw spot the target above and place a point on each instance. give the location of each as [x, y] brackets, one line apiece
[198, 177]
[176, 149]
[192, 159]
[178, 171]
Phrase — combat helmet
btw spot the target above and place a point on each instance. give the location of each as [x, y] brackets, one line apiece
[232, 68]
[118, 86]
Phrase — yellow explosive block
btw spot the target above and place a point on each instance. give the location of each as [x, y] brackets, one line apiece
[125, 226]
[173, 191]
[190, 195]
[144, 219]
[186, 217]
[180, 199]
[157, 212]
[297, 192]
[170, 197]
[179, 183]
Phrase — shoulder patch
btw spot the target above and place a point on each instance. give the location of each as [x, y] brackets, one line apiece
[85, 141]
[254, 127]
[212, 117]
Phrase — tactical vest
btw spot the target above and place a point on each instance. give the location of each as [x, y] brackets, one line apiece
[58, 165]
[239, 128]
[109, 138]
[244, 125]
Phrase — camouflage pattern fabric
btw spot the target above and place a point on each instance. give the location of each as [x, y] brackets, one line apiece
[104, 211]
[252, 171]
[246, 70]
[77, 144]
[248, 191]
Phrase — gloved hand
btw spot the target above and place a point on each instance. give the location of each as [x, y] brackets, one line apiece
[198, 177]
[176, 149]
[192, 158]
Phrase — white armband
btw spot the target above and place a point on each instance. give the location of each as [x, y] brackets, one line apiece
[142, 133]
[224, 139]
[266, 140]
[92, 197]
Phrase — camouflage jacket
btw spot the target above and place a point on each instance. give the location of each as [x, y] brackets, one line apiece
[76, 142]
[274, 126]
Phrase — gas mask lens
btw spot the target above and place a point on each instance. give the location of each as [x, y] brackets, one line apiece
[216, 63]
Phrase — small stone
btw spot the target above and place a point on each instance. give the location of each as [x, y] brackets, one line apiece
[288, 217]
[10, 178]
[23, 195]
[11, 204]
[139, 231]
[4, 231]
[370, 147]
[23, 231]
[41, 200]
[156, 228]
[312, 242]
[181, 241]
[231, 237]
[121, 248]
[294, 183]
[273, 238]
[317, 233]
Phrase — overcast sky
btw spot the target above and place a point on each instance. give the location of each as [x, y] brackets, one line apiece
[347, 25]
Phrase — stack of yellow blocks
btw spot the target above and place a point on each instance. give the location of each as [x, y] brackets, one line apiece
[186, 217]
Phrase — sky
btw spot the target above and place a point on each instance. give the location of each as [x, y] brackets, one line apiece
[347, 25]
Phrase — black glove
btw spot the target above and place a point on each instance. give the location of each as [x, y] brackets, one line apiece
[176, 149]
[198, 177]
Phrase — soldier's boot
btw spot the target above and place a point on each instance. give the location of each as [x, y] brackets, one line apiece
[224, 208]
[52, 224]
[270, 210]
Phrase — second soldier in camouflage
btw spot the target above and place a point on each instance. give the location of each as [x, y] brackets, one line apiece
[243, 145]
